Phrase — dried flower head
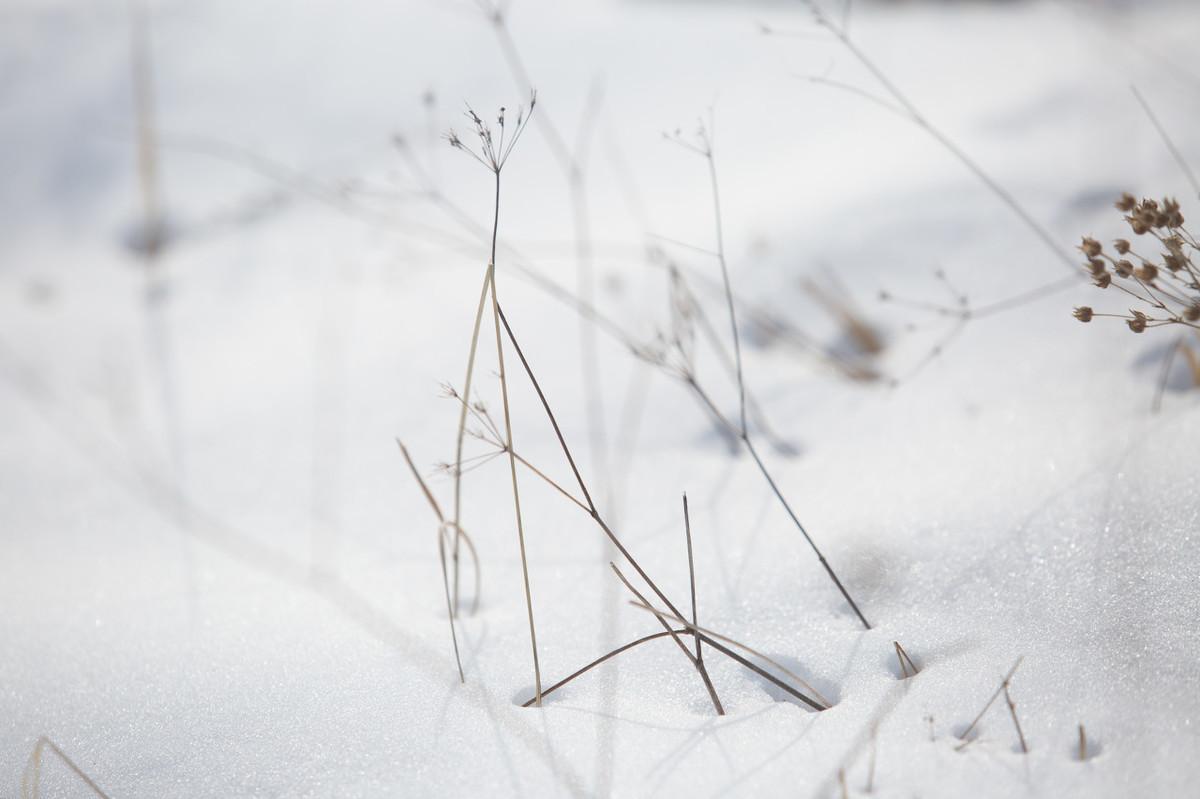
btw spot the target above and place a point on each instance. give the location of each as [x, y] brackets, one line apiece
[494, 147]
[1167, 288]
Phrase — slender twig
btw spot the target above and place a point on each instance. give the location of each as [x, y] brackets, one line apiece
[594, 513]
[572, 162]
[1082, 743]
[462, 426]
[585, 669]
[31, 779]
[999, 690]
[512, 463]
[442, 525]
[687, 528]
[1012, 711]
[921, 121]
[705, 150]
[906, 663]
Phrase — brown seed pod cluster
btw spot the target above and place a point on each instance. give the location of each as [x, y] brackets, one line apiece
[1165, 285]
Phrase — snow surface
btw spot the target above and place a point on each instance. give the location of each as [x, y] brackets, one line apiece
[218, 578]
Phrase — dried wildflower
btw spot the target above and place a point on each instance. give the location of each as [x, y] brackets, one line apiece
[1169, 287]
[493, 149]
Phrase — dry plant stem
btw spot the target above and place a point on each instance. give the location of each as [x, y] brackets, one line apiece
[699, 664]
[1082, 744]
[687, 529]
[737, 339]
[1012, 711]
[595, 515]
[32, 777]
[572, 165]
[585, 669]
[712, 638]
[921, 121]
[462, 427]
[906, 663]
[706, 151]
[821, 557]
[512, 464]
[592, 511]
[1003, 686]
[442, 525]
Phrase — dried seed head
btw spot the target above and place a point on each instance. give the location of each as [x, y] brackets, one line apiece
[1172, 262]
[1146, 273]
[1090, 247]
[1122, 246]
[1083, 313]
[1138, 323]
[1123, 268]
[1096, 267]
[1103, 280]
[1192, 313]
[1126, 202]
[1139, 227]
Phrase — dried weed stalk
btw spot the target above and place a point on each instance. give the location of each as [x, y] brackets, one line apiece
[31, 779]
[702, 145]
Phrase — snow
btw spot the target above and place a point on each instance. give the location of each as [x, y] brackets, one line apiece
[219, 578]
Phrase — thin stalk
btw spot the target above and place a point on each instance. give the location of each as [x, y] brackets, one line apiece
[512, 465]
[32, 778]
[442, 525]
[601, 659]
[906, 663]
[706, 151]
[994, 696]
[687, 529]
[592, 510]
[1012, 711]
[462, 424]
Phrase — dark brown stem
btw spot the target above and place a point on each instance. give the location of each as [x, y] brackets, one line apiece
[601, 659]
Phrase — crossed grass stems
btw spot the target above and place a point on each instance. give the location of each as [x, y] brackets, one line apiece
[491, 149]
